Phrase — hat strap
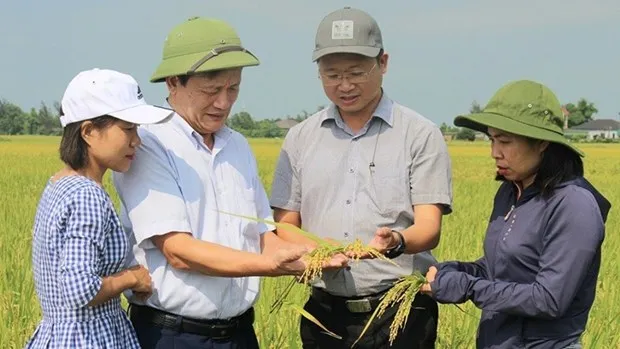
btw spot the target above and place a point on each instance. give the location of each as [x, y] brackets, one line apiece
[215, 52]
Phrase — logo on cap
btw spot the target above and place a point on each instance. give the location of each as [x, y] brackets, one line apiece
[342, 29]
[140, 96]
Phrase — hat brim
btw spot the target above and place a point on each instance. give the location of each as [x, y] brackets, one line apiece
[360, 50]
[482, 121]
[144, 114]
[180, 65]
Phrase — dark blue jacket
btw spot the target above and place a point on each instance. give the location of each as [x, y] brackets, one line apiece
[537, 279]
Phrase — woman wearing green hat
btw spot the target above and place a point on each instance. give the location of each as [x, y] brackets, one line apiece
[536, 281]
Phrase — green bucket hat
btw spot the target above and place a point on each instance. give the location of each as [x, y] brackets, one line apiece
[200, 45]
[525, 108]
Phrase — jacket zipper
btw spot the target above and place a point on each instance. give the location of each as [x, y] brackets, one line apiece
[512, 208]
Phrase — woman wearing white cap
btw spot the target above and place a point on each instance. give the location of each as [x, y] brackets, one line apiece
[79, 246]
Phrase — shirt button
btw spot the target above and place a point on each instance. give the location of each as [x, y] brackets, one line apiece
[509, 229]
[351, 170]
[346, 235]
[348, 202]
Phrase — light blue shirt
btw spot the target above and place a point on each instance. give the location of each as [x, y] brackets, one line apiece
[176, 184]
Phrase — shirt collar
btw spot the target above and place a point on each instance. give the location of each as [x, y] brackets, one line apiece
[221, 136]
[383, 111]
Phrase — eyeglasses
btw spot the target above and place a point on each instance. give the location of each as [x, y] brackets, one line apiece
[353, 77]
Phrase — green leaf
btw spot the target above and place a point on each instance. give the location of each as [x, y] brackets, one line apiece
[286, 226]
[372, 317]
[309, 316]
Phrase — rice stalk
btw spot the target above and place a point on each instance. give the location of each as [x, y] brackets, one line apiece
[311, 318]
[325, 249]
[318, 257]
[403, 293]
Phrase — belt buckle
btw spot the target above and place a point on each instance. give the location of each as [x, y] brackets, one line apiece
[358, 305]
[224, 332]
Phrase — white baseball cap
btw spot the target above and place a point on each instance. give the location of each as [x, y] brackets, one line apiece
[97, 92]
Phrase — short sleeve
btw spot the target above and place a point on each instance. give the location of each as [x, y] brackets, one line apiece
[150, 194]
[87, 224]
[260, 196]
[286, 185]
[431, 172]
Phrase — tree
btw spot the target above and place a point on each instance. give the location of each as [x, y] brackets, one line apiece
[475, 108]
[11, 118]
[241, 121]
[466, 134]
[445, 128]
[31, 122]
[580, 113]
[49, 120]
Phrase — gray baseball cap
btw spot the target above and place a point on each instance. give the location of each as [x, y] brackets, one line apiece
[348, 30]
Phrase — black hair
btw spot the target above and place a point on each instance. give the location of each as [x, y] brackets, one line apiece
[183, 79]
[559, 164]
[73, 148]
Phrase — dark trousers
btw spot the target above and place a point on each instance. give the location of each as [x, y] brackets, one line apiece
[153, 336]
[420, 331]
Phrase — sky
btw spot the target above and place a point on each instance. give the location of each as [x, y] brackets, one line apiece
[442, 54]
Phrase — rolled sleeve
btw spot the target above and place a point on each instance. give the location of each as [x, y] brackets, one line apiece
[286, 185]
[150, 194]
[431, 173]
[82, 247]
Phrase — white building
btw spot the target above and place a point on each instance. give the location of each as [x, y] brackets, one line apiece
[597, 129]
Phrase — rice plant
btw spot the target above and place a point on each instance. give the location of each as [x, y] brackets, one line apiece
[402, 294]
[28, 161]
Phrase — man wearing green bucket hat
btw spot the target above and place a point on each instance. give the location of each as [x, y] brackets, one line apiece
[536, 281]
[187, 176]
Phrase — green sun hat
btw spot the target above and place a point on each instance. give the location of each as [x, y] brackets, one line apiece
[201, 45]
[526, 108]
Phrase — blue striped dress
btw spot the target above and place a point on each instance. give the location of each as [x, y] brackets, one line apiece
[78, 240]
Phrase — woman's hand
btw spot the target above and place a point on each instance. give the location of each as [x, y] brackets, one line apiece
[430, 277]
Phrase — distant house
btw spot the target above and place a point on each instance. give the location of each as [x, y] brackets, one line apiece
[286, 124]
[449, 136]
[597, 129]
[481, 136]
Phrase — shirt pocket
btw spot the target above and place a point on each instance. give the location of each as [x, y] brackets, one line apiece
[391, 190]
[247, 201]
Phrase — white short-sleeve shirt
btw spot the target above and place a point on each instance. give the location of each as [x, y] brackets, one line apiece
[176, 184]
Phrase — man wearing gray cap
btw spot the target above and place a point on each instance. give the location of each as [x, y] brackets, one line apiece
[368, 168]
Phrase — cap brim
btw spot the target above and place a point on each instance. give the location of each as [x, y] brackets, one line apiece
[360, 50]
[482, 121]
[180, 65]
[144, 114]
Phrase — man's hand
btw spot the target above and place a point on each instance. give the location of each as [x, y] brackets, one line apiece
[289, 261]
[292, 261]
[337, 261]
[384, 240]
[430, 277]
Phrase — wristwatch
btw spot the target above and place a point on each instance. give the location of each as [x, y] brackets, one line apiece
[398, 249]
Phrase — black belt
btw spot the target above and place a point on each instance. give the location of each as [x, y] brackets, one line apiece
[364, 304]
[216, 329]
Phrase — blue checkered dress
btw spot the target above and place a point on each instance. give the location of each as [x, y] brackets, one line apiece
[78, 240]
